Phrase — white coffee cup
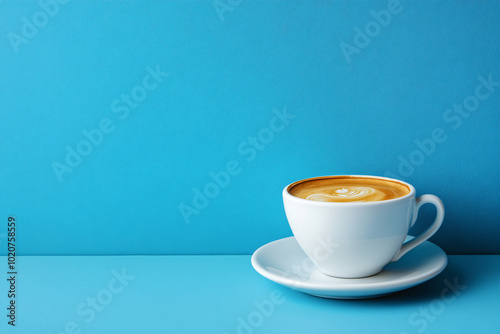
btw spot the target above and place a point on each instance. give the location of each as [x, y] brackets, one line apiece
[357, 239]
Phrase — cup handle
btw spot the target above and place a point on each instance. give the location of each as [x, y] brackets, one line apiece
[407, 246]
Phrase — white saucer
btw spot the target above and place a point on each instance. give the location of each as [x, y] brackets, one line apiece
[283, 261]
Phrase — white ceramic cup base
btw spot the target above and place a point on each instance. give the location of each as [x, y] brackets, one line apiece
[283, 261]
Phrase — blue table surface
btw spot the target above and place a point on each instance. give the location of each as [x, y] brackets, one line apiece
[223, 294]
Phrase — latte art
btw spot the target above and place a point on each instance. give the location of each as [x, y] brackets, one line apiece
[348, 189]
[359, 194]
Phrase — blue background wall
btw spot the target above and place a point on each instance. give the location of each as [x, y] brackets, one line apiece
[230, 70]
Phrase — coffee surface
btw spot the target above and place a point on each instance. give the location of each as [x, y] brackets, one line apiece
[348, 189]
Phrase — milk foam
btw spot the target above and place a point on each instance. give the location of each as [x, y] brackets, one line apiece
[348, 189]
[347, 194]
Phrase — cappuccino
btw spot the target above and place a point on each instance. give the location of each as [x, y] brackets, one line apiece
[348, 189]
[363, 220]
